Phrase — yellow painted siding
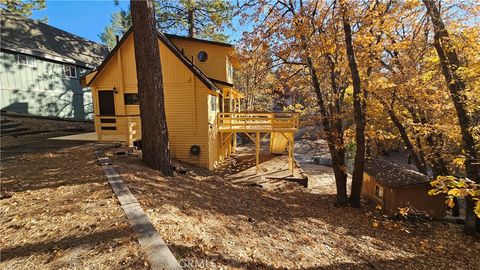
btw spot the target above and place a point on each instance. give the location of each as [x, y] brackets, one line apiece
[216, 151]
[216, 64]
[185, 101]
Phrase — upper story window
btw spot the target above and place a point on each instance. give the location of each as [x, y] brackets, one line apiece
[26, 60]
[229, 71]
[202, 56]
[70, 71]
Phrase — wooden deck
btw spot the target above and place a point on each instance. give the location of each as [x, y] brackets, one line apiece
[280, 126]
[258, 122]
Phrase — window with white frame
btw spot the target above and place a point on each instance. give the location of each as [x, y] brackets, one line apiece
[212, 108]
[26, 60]
[229, 70]
[378, 191]
[70, 71]
[213, 103]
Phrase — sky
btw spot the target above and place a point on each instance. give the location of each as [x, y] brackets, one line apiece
[88, 18]
[85, 18]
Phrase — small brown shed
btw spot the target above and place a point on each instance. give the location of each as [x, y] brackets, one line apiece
[394, 187]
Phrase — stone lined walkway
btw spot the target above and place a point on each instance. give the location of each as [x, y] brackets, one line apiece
[157, 251]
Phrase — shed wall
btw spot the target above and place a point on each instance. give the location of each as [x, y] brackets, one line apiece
[368, 190]
[416, 196]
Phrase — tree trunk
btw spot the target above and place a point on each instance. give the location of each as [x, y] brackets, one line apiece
[406, 140]
[340, 171]
[338, 155]
[450, 63]
[191, 23]
[358, 114]
[155, 149]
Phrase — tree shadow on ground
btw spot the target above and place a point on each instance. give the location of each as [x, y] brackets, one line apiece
[288, 211]
[92, 239]
[39, 144]
[217, 261]
[49, 164]
[219, 196]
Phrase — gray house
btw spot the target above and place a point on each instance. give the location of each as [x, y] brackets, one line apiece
[41, 66]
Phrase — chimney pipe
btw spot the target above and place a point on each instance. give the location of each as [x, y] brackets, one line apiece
[117, 38]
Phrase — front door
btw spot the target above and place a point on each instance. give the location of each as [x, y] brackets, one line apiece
[106, 103]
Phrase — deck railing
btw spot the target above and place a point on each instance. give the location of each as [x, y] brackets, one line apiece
[258, 122]
[121, 128]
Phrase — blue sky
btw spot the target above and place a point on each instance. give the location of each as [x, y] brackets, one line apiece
[83, 18]
[88, 18]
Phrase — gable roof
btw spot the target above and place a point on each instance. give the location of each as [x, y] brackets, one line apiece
[31, 37]
[392, 175]
[223, 44]
[174, 49]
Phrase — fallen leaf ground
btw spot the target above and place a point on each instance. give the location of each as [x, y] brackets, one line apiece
[208, 221]
[57, 210]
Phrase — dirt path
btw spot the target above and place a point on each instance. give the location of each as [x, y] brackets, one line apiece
[57, 211]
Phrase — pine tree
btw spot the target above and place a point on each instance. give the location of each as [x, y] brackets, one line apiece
[206, 19]
[24, 8]
[155, 149]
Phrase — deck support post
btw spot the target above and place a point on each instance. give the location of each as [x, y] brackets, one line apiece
[257, 152]
[129, 132]
[291, 150]
[98, 128]
[234, 143]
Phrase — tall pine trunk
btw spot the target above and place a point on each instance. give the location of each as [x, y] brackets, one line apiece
[191, 23]
[155, 150]
[358, 115]
[450, 63]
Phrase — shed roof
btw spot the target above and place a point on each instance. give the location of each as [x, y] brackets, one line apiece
[32, 37]
[392, 175]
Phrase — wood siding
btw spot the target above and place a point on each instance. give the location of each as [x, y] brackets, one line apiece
[416, 196]
[186, 101]
[42, 89]
[216, 64]
[368, 190]
[217, 150]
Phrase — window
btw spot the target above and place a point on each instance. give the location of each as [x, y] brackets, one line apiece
[213, 103]
[378, 191]
[26, 60]
[70, 71]
[131, 99]
[202, 56]
[229, 71]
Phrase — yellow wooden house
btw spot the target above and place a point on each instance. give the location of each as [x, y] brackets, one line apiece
[203, 109]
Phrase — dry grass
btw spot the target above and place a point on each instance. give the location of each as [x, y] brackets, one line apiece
[62, 215]
[207, 219]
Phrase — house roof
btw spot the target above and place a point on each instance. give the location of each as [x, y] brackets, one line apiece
[31, 37]
[392, 175]
[174, 49]
[171, 36]
[221, 82]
